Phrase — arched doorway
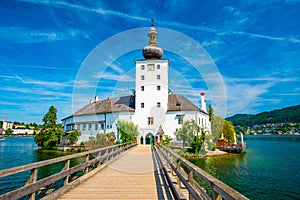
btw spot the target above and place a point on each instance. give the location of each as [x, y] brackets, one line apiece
[149, 138]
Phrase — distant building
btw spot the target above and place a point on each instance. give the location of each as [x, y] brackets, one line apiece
[5, 126]
[22, 131]
[152, 106]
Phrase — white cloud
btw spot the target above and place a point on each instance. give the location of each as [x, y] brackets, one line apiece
[102, 11]
[47, 84]
[30, 91]
[115, 67]
[116, 77]
[27, 35]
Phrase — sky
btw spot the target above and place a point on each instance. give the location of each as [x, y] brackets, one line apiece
[245, 55]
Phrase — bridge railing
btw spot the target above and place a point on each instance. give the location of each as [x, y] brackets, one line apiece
[186, 172]
[94, 161]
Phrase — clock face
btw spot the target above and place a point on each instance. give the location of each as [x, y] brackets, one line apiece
[150, 67]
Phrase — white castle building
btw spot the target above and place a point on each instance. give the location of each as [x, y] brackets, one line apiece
[152, 107]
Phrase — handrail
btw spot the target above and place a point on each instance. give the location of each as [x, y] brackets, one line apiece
[103, 156]
[175, 162]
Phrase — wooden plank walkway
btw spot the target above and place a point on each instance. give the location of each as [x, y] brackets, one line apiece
[136, 175]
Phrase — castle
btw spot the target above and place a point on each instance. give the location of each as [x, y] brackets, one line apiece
[152, 106]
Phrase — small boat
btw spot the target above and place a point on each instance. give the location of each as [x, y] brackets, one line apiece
[1, 138]
[235, 147]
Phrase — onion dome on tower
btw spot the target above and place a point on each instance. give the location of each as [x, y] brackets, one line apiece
[152, 51]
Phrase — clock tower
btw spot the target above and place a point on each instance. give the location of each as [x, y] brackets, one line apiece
[151, 100]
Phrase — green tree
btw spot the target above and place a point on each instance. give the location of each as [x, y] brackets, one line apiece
[187, 132]
[228, 131]
[102, 140]
[73, 136]
[8, 131]
[210, 112]
[216, 126]
[51, 132]
[128, 131]
[166, 141]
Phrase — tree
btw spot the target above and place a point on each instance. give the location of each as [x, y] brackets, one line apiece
[51, 132]
[187, 132]
[166, 140]
[210, 112]
[8, 131]
[102, 140]
[128, 131]
[217, 126]
[73, 136]
[228, 131]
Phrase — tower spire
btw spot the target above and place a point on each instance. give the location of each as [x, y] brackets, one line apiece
[152, 51]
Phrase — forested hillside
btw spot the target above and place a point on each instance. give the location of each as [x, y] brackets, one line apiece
[288, 114]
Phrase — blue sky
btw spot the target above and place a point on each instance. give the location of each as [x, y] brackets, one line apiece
[47, 47]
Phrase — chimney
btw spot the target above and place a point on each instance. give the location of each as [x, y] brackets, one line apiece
[96, 98]
[203, 101]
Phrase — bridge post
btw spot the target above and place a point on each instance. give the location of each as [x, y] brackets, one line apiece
[178, 169]
[216, 196]
[32, 179]
[66, 167]
[87, 158]
[100, 160]
[191, 180]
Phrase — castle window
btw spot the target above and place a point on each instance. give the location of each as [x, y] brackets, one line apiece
[158, 87]
[158, 104]
[142, 88]
[150, 120]
[150, 67]
[158, 77]
[96, 126]
[78, 126]
[143, 67]
[142, 77]
[102, 126]
[142, 105]
[180, 120]
[158, 66]
[84, 126]
[90, 126]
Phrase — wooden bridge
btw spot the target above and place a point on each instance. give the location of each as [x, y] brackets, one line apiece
[126, 171]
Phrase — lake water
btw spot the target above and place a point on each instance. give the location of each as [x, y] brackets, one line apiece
[269, 169]
[17, 151]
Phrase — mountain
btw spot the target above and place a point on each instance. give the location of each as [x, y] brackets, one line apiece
[288, 114]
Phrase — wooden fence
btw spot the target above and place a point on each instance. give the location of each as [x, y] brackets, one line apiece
[187, 173]
[94, 161]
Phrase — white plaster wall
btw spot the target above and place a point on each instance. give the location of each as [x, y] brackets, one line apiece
[151, 96]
